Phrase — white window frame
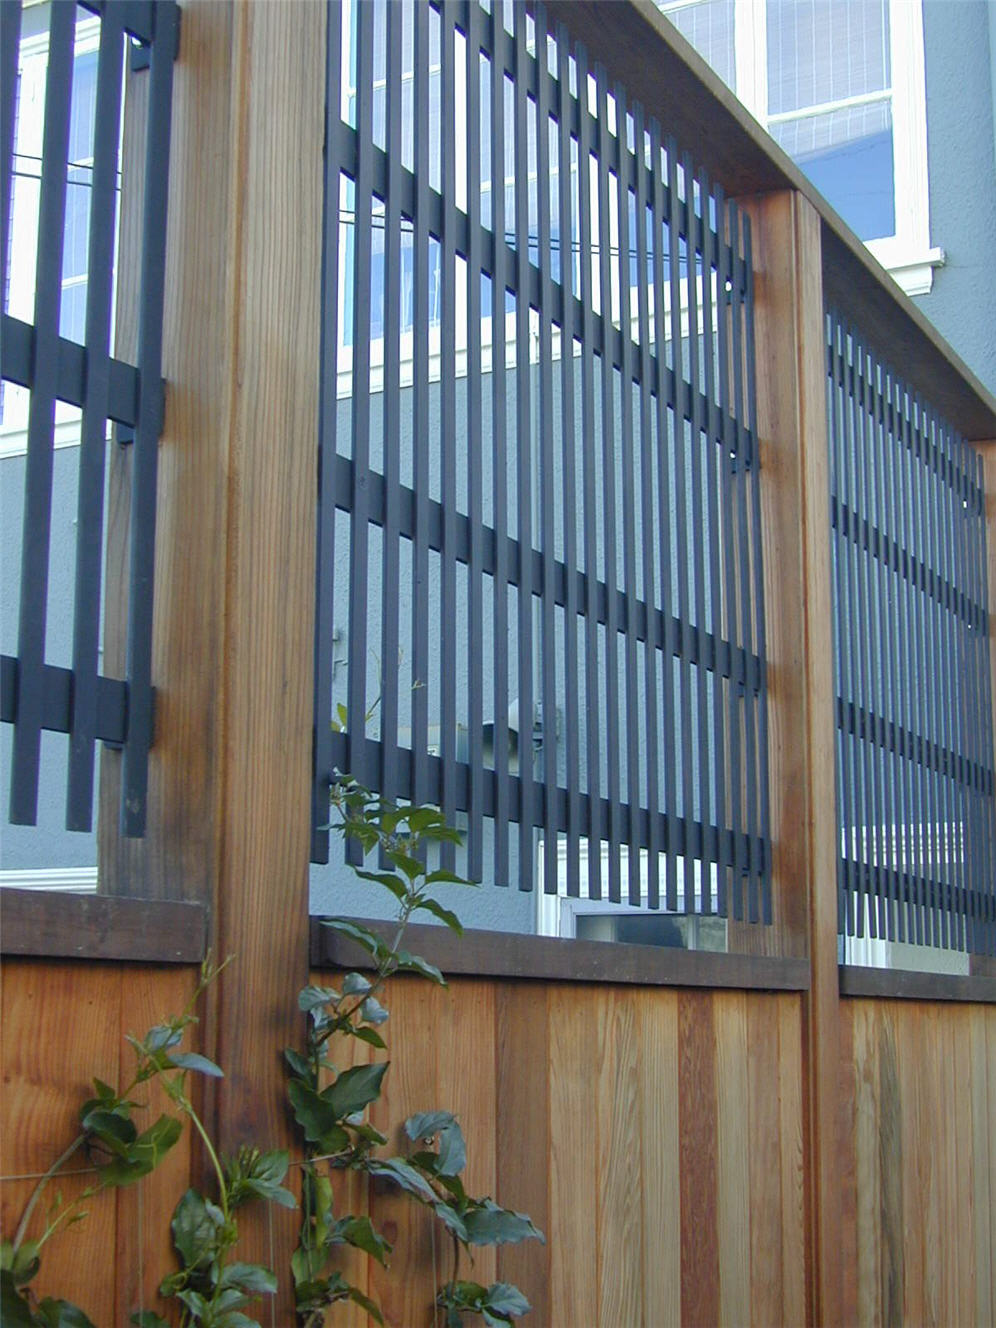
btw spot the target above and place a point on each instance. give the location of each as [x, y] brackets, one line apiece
[907, 255]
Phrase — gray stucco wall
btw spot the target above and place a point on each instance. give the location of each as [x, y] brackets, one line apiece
[960, 51]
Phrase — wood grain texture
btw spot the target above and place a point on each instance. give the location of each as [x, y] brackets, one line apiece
[791, 424]
[67, 926]
[63, 1024]
[660, 1193]
[734, 1193]
[620, 1229]
[764, 1157]
[697, 1110]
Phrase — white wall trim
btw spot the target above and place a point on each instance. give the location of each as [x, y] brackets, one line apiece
[78, 880]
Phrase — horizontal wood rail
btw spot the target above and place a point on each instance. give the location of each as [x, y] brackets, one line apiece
[551, 958]
[35, 923]
[903, 984]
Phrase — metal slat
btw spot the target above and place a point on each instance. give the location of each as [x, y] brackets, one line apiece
[390, 774]
[572, 729]
[359, 544]
[845, 874]
[448, 618]
[548, 487]
[499, 434]
[608, 479]
[10, 38]
[37, 518]
[922, 683]
[327, 422]
[697, 564]
[879, 651]
[633, 714]
[648, 524]
[90, 497]
[679, 502]
[911, 516]
[524, 461]
[588, 425]
[135, 764]
[760, 832]
[475, 661]
[420, 416]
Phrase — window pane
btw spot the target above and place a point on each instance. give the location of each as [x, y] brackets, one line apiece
[708, 25]
[825, 50]
[848, 156]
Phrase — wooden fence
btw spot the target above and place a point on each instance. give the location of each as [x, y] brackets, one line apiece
[753, 1138]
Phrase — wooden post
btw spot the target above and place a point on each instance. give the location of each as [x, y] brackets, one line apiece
[229, 806]
[792, 430]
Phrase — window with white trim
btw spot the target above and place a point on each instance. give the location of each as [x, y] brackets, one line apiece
[840, 85]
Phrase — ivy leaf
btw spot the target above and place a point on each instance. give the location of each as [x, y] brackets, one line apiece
[15, 1312]
[195, 1227]
[367, 1035]
[452, 1220]
[299, 1064]
[60, 1314]
[258, 1175]
[190, 1060]
[443, 914]
[144, 1154]
[162, 1037]
[451, 1155]
[505, 1301]
[114, 1131]
[416, 964]
[444, 877]
[362, 1235]
[317, 1117]
[21, 1264]
[411, 867]
[361, 935]
[355, 984]
[252, 1278]
[355, 1088]
[373, 1012]
[489, 1224]
[396, 1169]
[148, 1319]
[314, 998]
[371, 1306]
[426, 1124]
[390, 882]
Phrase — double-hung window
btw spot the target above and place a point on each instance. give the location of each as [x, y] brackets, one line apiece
[840, 86]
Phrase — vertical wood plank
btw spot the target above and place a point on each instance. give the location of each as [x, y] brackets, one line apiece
[737, 1206]
[927, 1161]
[421, 1258]
[983, 1177]
[700, 1262]
[61, 1027]
[849, 1170]
[793, 1159]
[144, 1249]
[791, 424]
[660, 1188]
[866, 1125]
[890, 1170]
[572, 1230]
[764, 1157]
[523, 1133]
[620, 1281]
[991, 1068]
[960, 1090]
[910, 1069]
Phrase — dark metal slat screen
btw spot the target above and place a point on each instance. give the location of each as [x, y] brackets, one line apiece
[914, 731]
[539, 572]
[59, 359]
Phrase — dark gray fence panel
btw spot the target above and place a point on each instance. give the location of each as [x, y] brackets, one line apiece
[37, 695]
[915, 783]
[588, 530]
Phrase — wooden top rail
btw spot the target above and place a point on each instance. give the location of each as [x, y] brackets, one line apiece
[484, 954]
[667, 75]
[37, 924]
[902, 984]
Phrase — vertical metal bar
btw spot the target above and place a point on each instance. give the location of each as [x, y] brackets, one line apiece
[609, 533]
[524, 456]
[696, 566]
[548, 488]
[90, 497]
[390, 772]
[878, 634]
[913, 545]
[947, 642]
[648, 525]
[922, 514]
[713, 442]
[623, 193]
[987, 938]
[761, 835]
[588, 424]
[746, 865]
[359, 543]
[840, 498]
[447, 370]
[41, 420]
[968, 710]
[866, 412]
[475, 661]
[681, 407]
[910, 653]
[499, 433]
[420, 420]
[327, 430]
[729, 447]
[891, 447]
[572, 729]
[10, 38]
[135, 765]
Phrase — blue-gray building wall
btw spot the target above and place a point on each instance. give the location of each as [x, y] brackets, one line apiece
[960, 54]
